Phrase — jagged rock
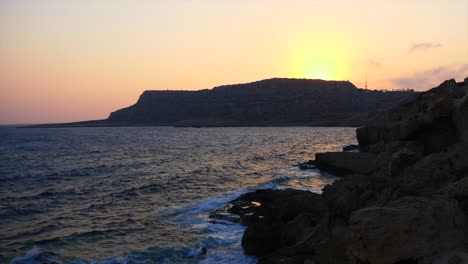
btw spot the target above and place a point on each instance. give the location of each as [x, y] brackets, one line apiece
[351, 148]
[369, 135]
[458, 158]
[296, 229]
[342, 163]
[272, 206]
[457, 256]
[402, 159]
[261, 238]
[404, 200]
[410, 228]
[459, 191]
[432, 172]
[274, 217]
[418, 115]
[460, 116]
[307, 165]
[332, 248]
[344, 196]
[282, 258]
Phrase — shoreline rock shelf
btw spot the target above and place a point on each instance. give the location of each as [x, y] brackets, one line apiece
[402, 200]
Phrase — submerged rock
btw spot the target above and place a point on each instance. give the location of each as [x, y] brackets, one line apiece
[307, 165]
[351, 148]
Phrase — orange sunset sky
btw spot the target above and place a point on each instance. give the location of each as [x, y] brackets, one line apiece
[63, 61]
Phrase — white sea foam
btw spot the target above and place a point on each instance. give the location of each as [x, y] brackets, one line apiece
[30, 257]
[136, 182]
[223, 242]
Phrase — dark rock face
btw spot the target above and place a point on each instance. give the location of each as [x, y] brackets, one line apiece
[270, 206]
[414, 228]
[405, 200]
[342, 163]
[351, 148]
[268, 102]
[275, 218]
[428, 113]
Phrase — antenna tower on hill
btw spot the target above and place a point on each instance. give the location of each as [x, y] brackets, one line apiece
[365, 86]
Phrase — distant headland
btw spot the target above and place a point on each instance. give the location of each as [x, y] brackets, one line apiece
[270, 102]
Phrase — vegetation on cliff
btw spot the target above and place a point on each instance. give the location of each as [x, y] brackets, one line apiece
[268, 102]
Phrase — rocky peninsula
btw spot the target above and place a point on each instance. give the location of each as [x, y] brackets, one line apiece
[270, 102]
[403, 198]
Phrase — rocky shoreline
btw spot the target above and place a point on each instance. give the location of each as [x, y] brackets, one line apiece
[403, 198]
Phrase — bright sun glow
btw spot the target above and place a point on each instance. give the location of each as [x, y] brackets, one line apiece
[319, 65]
[316, 61]
[320, 68]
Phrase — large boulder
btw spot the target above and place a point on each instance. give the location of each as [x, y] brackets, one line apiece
[403, 159]
[261, 238]
[460, 114]
[274, 218]
[433, 172]
[409, 229]
[270, 206]
[459, 191]
[369, 135]
[346, 195]
[342, 163]
[420, 115]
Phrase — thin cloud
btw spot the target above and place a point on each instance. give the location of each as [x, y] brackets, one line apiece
[427, 79]
[374, 63]
[424, 46]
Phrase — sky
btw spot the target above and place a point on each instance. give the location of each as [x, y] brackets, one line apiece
[63, 61]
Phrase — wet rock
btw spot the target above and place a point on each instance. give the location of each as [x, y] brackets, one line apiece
[274, 218]
[270, 206]
[353, 148]
[261, 238]
[307, 165]
[283, 258]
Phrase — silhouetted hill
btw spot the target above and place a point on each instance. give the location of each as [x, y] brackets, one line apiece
[267, 102]
[271, 102]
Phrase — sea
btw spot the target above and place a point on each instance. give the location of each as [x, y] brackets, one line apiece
[144, 194]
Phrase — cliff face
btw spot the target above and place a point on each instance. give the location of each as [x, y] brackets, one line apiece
[267, 102]
[402, 199]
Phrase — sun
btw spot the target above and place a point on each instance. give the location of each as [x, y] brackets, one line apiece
[320, 69]
[318, 62]
[319, 65]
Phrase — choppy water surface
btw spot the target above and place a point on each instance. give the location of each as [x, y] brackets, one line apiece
[143, 194]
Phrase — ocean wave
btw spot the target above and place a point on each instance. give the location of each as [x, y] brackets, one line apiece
[71, 193]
